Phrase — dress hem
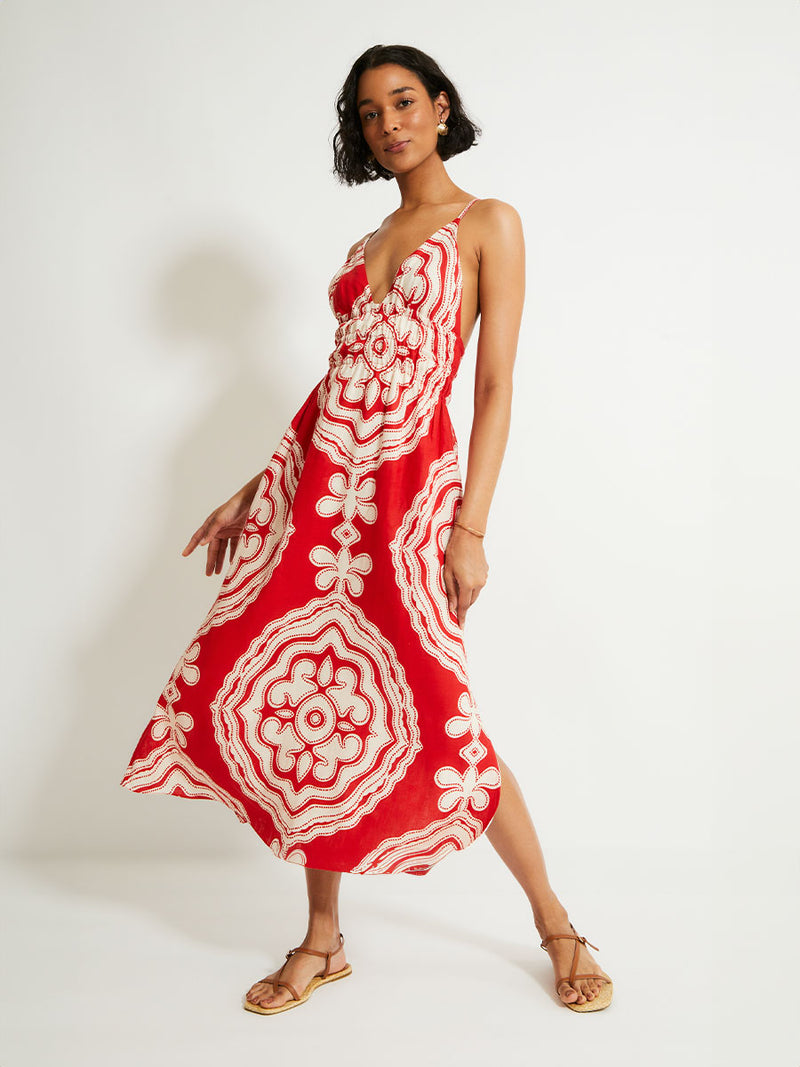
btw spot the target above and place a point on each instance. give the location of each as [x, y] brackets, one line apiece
[418, 870]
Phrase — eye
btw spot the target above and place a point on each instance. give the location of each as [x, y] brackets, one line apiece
[367, 115]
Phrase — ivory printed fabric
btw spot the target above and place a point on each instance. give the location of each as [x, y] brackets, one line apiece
[325, 698]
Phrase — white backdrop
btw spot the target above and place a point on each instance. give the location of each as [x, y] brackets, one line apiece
[170, 225]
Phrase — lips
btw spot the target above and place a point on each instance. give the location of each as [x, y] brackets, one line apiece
[397, 146]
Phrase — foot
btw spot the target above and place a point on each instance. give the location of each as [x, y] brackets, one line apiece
[561, 951]
[299, 970]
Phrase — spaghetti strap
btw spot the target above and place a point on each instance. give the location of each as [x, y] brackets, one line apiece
[465, 209]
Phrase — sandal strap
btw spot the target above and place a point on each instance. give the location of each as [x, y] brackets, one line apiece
[575, 936]
[602, 978]
[278, 981]
[289, 986]
[275, 982]
[315, 952]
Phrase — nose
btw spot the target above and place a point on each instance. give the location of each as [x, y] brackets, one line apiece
[389, 124]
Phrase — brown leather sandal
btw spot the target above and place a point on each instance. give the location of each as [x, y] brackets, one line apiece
[317, 980]
[603, 998]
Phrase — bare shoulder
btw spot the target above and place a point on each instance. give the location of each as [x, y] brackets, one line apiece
[498, 223]
[499, 251]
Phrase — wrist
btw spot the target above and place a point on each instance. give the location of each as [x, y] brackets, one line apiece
[248, 490]
[472, 531]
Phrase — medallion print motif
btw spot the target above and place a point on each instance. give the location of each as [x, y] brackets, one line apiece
[316, 720]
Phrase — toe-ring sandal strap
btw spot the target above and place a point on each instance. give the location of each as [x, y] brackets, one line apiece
[575, 977]
[289, 986]
[274, 982]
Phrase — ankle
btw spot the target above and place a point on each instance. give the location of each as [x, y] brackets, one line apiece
[323, 927]
[549, 916]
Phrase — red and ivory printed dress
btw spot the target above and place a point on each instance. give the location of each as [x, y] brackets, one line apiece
[325, 698]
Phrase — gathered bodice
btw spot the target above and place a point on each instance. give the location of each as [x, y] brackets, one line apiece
[419, 319]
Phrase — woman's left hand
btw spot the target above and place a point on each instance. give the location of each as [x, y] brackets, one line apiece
[465, 571]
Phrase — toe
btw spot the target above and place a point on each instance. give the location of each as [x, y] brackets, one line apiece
[567, 993]
[261, 994]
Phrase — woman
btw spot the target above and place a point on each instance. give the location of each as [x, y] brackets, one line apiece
[342, 725]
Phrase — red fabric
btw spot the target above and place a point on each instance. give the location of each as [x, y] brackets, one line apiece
[325, 698]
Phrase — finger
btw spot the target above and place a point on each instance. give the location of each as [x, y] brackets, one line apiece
[451, 587]
[211, 560]
[193, 542]
[200, 536]
[223, 548]
[210, 530]
[463, 603]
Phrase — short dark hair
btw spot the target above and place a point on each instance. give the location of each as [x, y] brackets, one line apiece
[352, 162]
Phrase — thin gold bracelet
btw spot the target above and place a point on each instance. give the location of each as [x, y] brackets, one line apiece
[464, 527]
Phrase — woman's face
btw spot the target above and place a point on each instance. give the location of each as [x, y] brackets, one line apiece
[395, 109]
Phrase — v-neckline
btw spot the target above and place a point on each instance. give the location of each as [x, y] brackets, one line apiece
[368, 288]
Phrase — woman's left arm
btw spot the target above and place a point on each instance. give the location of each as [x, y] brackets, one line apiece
[501, 295]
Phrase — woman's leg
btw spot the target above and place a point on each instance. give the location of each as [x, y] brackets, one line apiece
[514, 838]
[322, 934]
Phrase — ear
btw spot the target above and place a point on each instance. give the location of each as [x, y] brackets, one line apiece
[442, 106]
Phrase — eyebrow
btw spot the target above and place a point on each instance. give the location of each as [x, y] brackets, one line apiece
[402, 89]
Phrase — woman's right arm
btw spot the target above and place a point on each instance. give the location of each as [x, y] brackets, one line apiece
[223, 527]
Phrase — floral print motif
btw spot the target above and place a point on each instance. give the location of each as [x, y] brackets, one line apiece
[168, 723]
[340, 569]
[171, 723]
[470, 787]
[467, 788]
[351, 495]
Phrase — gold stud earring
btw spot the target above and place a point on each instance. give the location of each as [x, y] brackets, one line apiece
[442, 129]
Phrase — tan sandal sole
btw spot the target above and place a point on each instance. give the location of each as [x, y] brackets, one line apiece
[312, 985]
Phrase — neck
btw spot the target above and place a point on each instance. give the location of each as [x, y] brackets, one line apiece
[429, 183]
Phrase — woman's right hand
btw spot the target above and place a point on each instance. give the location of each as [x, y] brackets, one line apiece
[223, 528]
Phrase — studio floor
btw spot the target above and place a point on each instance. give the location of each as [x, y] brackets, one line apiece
[143, 961]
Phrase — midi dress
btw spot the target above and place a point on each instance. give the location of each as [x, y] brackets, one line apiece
[325, 698]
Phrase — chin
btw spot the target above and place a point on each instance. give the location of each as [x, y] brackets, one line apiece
[399, 166]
